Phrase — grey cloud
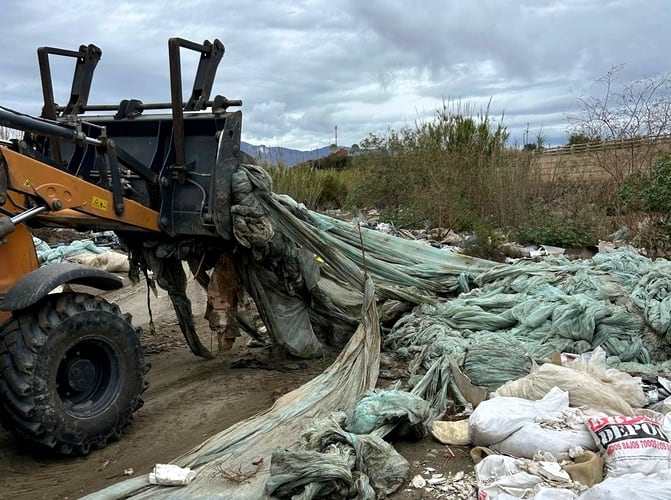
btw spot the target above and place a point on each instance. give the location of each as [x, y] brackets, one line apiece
[302, 67]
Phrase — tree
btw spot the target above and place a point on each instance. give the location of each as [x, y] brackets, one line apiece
[624, 110]
[620, 111]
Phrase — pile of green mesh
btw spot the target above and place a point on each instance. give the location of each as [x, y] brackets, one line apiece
[529, 310]
[506, 315]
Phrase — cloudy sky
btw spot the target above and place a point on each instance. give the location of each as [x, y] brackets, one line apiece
[303, 67]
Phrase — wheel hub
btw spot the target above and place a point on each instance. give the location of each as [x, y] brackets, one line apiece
[87, 378]
[81, 375]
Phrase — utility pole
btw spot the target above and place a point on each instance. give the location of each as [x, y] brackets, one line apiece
[336, 136]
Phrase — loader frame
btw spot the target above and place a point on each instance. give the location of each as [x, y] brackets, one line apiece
[162, 182]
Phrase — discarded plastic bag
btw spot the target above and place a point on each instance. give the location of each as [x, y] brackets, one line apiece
[493, 359]
[631, 444]
[283, 310]
[554, 494]
[497, 418]
[621, 382]
[498, 475]
[330, 462]
[171, 475]
[47, 255]
[322, 474]
[586, 468]
[405, 412]
[515, 426]
[110, 261]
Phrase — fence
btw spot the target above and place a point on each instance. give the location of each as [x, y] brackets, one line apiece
[608, 160]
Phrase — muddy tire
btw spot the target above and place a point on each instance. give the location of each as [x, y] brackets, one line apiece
[71, 373]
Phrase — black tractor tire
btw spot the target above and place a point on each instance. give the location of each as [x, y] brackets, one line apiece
[71, 373]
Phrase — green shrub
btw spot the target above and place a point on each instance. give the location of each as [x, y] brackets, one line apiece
[553, 229]
[487, 243]
[654, 231]
[333, 192]
[442, 169]
[630, 197]
[317, 189]
[656, 192]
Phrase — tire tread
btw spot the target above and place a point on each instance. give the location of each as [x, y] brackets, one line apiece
[21, 340]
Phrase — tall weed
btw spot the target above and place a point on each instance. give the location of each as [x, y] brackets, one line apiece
[315, 188]
[458, 171]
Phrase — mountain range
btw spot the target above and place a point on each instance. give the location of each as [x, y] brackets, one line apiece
[290, 157]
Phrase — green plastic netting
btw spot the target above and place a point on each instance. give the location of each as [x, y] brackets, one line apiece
[505, 317]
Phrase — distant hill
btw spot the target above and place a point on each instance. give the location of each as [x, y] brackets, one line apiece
[290, 157]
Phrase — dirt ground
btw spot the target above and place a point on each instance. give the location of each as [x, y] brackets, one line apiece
[188, 400]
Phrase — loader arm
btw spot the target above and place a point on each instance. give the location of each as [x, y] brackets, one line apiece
[30, 189]
[69, 199]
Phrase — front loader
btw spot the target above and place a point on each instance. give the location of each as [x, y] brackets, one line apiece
[72, 369]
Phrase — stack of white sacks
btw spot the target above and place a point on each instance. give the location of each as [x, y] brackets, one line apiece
[576, 431]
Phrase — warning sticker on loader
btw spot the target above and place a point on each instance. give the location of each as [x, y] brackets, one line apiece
[99, 203]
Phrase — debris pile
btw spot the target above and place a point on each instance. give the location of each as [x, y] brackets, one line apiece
[84, 251]
[538, 349]
[459, 486]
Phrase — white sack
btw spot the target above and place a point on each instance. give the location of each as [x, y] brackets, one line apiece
[171, 475]
[584, 389]
[497, 418]
[621, 382]
[632, 487]
[532, 438]
[503, 478]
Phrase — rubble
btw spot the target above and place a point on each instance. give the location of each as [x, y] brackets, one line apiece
[460, 486]
[418, 482]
